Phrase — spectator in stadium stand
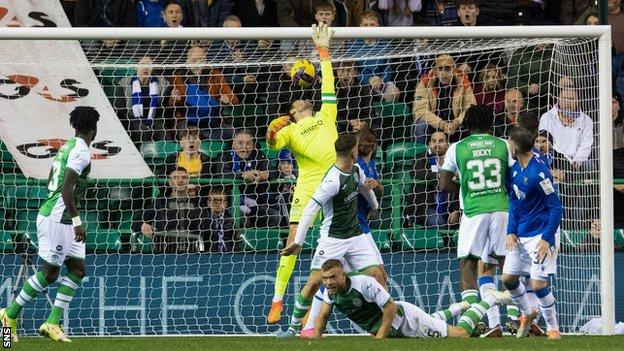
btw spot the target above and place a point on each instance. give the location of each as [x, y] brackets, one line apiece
[139, 100]
[498, 13]
[149, 13]
[591, 19]
[355, 9]
[441, 12]
[354, 100]
[302, 13]
[468, 13]
[259, 13]
[282, 90]
[169, 51]
[241, 78]
[93, 13]
[616, 21]
[571, 128]
[442, 97]
[205, 13]
[490, 89]
[574, 10]
[529, 71]
[397, 13]
[374, 71]
[281, 193]
[196, 163]
[514, 105]
[217, 226]
[442, 208]
[175, 211]
[198, 94]
[618, 120]
[245, 162]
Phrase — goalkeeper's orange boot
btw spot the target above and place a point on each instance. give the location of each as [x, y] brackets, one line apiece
[554, 335]
[54, 332]
[9, 323]
[275, 314]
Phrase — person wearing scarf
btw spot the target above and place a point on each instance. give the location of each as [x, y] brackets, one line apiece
[571, 129]
[144, 93]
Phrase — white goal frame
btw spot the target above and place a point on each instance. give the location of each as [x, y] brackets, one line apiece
[602, 33]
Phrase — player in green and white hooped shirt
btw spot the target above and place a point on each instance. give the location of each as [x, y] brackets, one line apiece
[366, 303]
[59, 229]
[481, 161]
[341, 235]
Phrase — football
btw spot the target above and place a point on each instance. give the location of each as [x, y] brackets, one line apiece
[303, 73]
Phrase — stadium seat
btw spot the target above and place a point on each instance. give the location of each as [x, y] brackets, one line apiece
[212, 148]
[21, 196]
[400, 157]
[140, 244]
[270, 154]
[262, 239]
[105, 241]
[382, 239]
[618, 236]
[95, 198]
[158, 150]
[421, 239]
[120, 197]
[396, 121]
[6, 241]
[573, 237]
[27, 221]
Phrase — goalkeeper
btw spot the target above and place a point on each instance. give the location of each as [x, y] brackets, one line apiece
[311, 140]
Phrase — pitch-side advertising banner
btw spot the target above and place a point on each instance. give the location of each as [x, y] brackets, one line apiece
[40, 84]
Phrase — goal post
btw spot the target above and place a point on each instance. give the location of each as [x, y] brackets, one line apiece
[425, 274]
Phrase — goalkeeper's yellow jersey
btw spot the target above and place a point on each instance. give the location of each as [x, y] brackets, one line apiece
[311, 140]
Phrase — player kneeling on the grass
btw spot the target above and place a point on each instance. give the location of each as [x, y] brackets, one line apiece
[535, 212]
[365, 302]
[59, 229]
[341, 235]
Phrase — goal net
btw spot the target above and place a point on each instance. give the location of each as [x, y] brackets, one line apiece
[187, 207]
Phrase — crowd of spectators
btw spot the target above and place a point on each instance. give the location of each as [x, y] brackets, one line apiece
[201, 97]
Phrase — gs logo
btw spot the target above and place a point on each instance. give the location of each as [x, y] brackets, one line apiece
[321, 253]
[59, 248]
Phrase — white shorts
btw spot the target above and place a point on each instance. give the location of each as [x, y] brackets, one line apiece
[522, 260]
[356, 252]
[369, 236]
[483, 236]
[57, 242]
[419, 324]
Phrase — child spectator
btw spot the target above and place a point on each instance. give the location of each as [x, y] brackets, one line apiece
[468, 13]
[283, 192]
[217, 227]
[196, 163]
[490, 89]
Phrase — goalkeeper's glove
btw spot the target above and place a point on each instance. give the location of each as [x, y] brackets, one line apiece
[275, 126]
[322, 35]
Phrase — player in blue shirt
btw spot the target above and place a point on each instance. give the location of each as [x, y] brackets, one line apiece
[535, 213]
[367, 146]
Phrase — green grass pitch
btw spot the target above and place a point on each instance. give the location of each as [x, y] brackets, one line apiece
[359, 343]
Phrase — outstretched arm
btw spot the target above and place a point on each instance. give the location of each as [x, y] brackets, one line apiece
[321, 320]
[322, 35]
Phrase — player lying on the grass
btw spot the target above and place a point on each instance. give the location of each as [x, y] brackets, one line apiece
[365, 302]
[341, 235]
[535, 213]
[367, 145]
[310, 137]
[59, 229]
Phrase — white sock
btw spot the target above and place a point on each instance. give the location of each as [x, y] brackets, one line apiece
[519, 297]
[317, 303]
[277, 298]
[493, 313]
[547, 306]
